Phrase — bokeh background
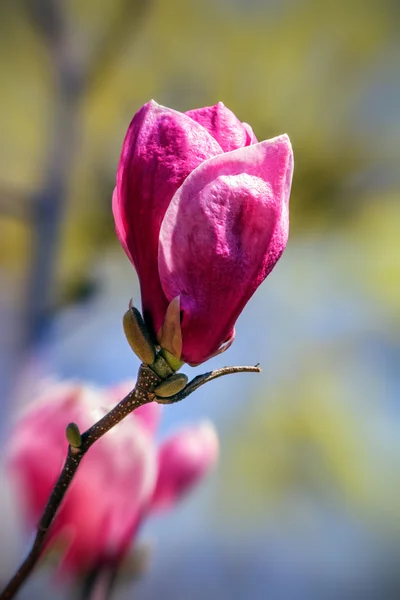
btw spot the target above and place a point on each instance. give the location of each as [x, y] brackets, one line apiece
[305, 503]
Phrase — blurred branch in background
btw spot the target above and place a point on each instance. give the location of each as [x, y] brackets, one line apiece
[47, 207]
[13, 203]
[72, 76]
[124, 26]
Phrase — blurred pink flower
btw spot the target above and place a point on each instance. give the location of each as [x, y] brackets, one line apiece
[121, 480]
[202, 211]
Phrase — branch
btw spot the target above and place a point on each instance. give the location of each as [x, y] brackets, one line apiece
[122, 29]
[48, 203]
[205, 378]
[72, 75]
[142, 393]
[14, 203]
[46, 18]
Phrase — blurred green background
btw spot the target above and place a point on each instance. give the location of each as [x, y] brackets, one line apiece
[306, 500]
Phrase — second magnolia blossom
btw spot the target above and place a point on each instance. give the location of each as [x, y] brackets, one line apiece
[124, 477]
[202, 211]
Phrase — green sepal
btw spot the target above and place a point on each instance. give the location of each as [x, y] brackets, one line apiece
[174, 363]
[161, 367]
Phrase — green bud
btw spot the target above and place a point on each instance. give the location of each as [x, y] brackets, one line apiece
[138, 336]
[161, 367]
[73, 435]
[174, 363]
[174, 384]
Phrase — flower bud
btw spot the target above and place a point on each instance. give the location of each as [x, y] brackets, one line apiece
[138, 336]
[73, 435]
[204, 224]
[184, 459]
[174, 384]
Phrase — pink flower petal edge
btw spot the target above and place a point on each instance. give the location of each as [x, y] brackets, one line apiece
[224, 126]
[183, 460]
[222, 234]
[201, 210]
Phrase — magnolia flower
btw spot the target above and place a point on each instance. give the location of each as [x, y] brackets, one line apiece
[202, 211]
[123, 478]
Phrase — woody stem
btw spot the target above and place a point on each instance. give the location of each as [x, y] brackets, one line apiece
[140, 395]
[143, 393]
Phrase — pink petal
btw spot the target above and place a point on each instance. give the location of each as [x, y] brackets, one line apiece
[117, 392]
[161, 148]
[184, 459]
[223, 125]
[222, 234]
[120, 227]
[107, 497]
[251, 138]
[148, 416]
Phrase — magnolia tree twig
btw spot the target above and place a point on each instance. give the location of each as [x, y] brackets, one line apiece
[205, 378]
[143, 393]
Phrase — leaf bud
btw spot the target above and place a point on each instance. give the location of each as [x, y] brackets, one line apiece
[174, 384]
[73, 435]
[138, 336]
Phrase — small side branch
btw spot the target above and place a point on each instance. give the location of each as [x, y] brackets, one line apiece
[205, 378]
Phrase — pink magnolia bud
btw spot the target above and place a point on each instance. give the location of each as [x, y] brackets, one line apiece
[183, 460]
[120, 479]
[202, 211]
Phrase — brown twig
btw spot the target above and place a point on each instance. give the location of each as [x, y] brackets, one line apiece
[143, 393]
[205, 378]
[140, 395]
